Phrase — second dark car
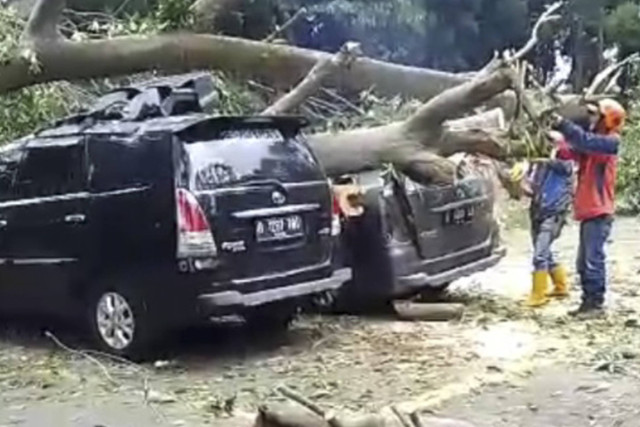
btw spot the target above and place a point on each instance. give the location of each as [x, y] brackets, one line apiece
[411, 238]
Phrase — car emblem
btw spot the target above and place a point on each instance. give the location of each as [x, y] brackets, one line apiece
[460, 193]
[278, 198]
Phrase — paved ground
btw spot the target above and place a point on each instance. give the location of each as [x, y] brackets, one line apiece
[502, 365]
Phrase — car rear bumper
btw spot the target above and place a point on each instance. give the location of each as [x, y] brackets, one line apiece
[421, 280]
[235, 300]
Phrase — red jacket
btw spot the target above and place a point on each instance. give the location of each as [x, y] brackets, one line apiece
[597, 157]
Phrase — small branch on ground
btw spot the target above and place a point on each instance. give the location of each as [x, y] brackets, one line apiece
[83, 355]
[415, 419]
[403, 421]
[329, 417]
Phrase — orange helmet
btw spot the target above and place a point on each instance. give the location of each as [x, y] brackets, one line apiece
[612, 115]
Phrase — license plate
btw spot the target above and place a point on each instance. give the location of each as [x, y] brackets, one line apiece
[459, 215]
[280, 228]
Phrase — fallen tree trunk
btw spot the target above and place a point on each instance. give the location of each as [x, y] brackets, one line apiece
[417, 145]
[280, 65]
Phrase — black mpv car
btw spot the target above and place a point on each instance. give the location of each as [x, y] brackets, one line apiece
[146, 214]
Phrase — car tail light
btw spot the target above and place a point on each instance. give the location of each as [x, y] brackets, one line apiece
[335, 217]
[195, 238]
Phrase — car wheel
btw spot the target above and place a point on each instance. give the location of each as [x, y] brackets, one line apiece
[434, 293]
[273, 317]
[121, 323]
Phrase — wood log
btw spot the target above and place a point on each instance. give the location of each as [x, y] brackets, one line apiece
[434, 312]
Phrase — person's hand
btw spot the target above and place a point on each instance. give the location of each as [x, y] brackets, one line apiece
[517, 172]
[554, 137]
[555, 119]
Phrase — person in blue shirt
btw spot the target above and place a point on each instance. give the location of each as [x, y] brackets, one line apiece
[550, 187]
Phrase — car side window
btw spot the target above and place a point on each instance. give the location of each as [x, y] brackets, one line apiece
[10, 156]
[51, 169]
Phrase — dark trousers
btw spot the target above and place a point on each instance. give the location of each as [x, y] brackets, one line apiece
[591, 262]
[543, 233]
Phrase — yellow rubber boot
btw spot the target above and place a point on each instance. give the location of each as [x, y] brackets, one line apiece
[560, 282]
[538, 296]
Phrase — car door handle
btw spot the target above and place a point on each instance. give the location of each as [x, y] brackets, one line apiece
[75, 218]
[3, 223]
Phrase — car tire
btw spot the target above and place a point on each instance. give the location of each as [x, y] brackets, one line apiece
[272, 317]
[434, 293]
[121, 323]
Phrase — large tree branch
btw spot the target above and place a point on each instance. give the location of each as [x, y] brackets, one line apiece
[604, 79]
[549, 15]
[459, 100]
[282, 66]
[281, 29]
[312, 82]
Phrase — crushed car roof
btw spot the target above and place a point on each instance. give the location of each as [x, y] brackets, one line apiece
[169, 104]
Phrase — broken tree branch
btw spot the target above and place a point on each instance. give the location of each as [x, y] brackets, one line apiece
[312, 82]
[549, 15]
[330, 418]
[283, 66]
[403, 421]
[281, 29]
[455, 102]
[604, 79]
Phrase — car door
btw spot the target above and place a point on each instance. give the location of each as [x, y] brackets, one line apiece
[453, 222]
[46, 224]
[10, 155]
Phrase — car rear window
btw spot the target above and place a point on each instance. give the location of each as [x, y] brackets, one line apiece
[241, 156]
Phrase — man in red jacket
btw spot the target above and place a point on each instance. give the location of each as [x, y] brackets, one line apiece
[596, 152]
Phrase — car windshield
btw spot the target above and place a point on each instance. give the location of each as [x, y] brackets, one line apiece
[245, 157]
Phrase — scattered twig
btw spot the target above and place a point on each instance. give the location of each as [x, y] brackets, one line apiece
[329, 417]
[415, 419]
[122, 6]
[400, 417]
[342, 99]
[82, 354]
[284, 27]
[290, 394]
[86, 355]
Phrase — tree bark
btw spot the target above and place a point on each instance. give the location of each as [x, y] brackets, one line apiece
[280, 65]
[417, 145]
[434, 312]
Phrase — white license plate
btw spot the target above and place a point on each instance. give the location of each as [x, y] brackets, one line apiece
[459, 215]
[280, 228]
